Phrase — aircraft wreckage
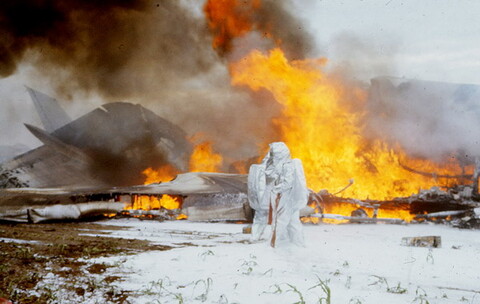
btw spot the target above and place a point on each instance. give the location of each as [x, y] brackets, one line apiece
[87, 166]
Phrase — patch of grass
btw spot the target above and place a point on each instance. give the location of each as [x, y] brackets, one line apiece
[206, 253]
[398, 289]
[155, 287]
[162, 288]
[276, 289]
[323, 284]
[295, 290]
[206, 284]
[420, 296]
[247, 266]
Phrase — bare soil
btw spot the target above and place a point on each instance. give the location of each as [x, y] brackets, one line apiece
[30, 252]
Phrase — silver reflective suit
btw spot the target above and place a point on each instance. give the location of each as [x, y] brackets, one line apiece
[277, 191]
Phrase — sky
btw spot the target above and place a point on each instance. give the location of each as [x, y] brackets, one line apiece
[429, 40]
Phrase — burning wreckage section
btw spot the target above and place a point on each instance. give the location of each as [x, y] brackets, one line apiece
[85, 168]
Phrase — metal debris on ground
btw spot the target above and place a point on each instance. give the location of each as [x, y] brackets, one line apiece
[422, 241]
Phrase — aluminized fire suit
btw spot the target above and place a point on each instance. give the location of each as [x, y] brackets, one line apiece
[277, 192]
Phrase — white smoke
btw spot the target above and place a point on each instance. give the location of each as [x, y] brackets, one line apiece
[429, 119]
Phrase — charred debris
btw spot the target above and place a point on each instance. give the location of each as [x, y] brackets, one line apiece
[85, 168]
[458, 206]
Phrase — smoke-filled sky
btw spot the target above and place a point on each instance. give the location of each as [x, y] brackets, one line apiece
[159, 54]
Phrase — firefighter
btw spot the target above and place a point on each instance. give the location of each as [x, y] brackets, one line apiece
[278, 185]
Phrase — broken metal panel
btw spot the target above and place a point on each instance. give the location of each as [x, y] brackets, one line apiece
[130, 131]
[46, 167]
[19, 201]
[73, 211]
[111, 146]
[184, 185]
[196, 183]
[61, 212]
[208, 196]
[217, 207]
[442, 214]
[59, 146]
[20, 216]
[16, 202]
[52, 115]
[203, 191]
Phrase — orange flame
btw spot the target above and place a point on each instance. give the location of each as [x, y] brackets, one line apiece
[162, 174]
[204, 159]
[149, 202]
[325, 134]
[318, 123]
[229, 19]
[182, 217]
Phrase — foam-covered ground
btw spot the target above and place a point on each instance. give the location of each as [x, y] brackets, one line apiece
[216, 263]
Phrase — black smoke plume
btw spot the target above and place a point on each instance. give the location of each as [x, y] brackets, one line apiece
[111, 47]
[157, 53]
